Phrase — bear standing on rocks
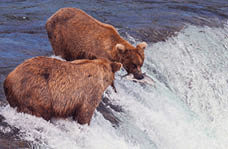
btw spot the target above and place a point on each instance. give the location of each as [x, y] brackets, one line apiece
[48, 87]
[76, 35]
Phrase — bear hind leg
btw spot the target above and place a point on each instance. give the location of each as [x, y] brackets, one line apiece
[36, 112]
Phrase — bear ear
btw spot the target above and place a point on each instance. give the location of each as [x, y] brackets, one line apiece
[115, 66]
[121, 48]
[142, 45]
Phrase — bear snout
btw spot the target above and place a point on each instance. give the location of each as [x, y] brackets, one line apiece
[138, 76]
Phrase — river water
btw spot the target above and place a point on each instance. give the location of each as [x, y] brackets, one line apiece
[187, 58]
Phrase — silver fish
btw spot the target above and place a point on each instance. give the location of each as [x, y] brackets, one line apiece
[146, 79]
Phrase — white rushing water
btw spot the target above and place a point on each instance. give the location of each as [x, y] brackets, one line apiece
[186, 107]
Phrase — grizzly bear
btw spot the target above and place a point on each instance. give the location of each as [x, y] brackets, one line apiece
[48, 87]
[76, 35]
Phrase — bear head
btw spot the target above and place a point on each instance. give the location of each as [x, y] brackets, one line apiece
[132, 58]
[109, 69]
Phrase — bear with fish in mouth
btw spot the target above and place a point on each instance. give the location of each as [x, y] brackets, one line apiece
[76, 35]
[48, 87]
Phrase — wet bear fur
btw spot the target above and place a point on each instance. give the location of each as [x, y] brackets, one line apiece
[48, 87]
[76, 35]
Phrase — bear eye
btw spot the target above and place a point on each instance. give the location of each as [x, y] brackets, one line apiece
[134, 66]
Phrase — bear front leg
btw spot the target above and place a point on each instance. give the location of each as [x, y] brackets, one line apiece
[85, 114]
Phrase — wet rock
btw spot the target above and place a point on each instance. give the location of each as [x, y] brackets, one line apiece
[106, 108]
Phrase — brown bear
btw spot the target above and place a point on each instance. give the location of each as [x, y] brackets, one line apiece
[48, 87]
[76, 35]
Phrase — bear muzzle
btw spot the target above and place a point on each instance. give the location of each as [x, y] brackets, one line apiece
[138, 75]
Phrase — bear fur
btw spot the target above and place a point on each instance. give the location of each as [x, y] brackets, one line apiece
[48, 87]
[74, 34]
